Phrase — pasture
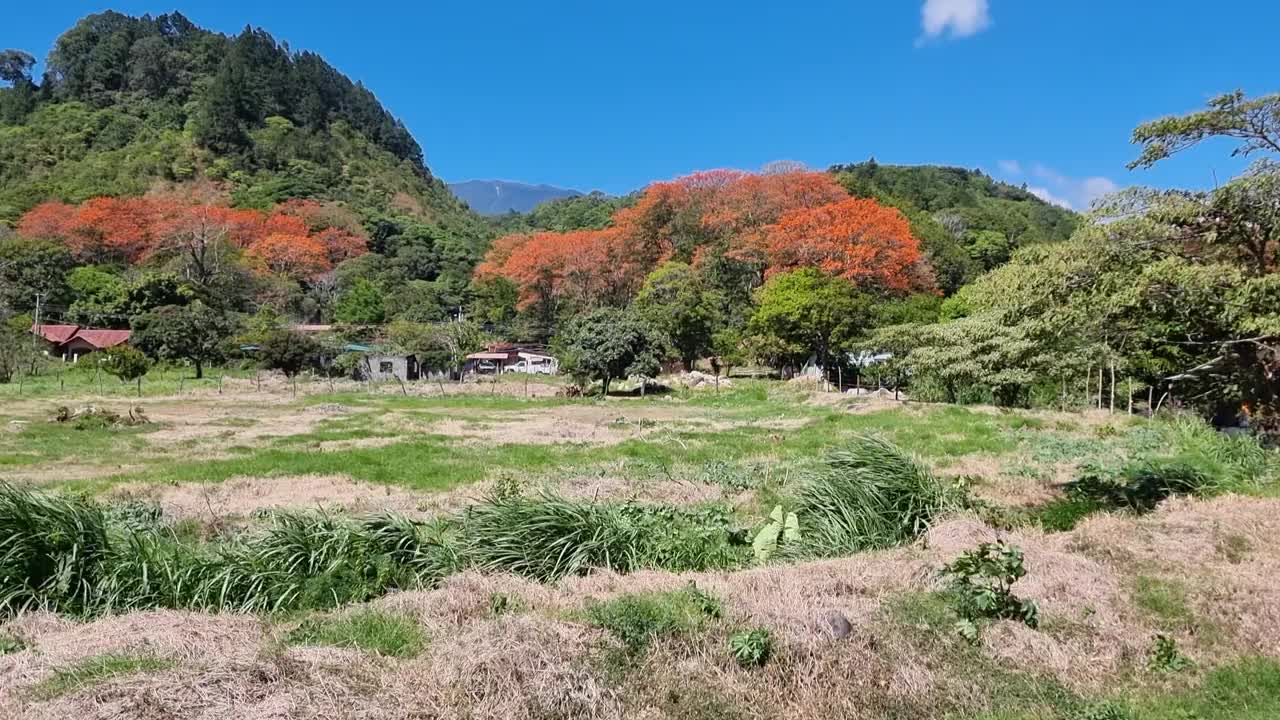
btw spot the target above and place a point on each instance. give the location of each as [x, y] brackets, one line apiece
[495, 550]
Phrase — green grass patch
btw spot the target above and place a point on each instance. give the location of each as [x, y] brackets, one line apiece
[373, 631]
[1164, 600]
[94, 670]
[638, 619]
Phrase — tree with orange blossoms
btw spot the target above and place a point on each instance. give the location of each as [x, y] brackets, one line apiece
[298, 256]
[204, 237]
[857, 239]
[119, 227]
[50, 220]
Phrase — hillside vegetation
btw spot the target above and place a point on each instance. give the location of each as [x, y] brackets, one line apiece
[136, 105]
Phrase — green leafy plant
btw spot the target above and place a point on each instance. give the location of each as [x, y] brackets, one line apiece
[751, 648]
[501, 603]
[1164, 655]
[781, 530]
[980, 584]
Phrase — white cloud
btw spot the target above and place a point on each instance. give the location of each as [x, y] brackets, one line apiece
[1076, 193]
[1010, 167]
[1045, 195]
[959, 18]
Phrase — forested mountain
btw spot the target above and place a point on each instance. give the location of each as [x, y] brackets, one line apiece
[498, 197]
[129, 105]
[968, 222]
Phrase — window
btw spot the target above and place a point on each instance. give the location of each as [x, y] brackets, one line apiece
[385, 366]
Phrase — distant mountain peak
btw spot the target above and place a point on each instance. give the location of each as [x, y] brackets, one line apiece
[499, 197]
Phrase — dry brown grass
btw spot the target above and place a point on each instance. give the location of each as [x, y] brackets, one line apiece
[241, 497]
[544, 661]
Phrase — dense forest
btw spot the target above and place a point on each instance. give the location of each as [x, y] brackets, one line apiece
[207, 190]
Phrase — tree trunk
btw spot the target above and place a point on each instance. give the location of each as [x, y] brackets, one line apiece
[604, 385]
[199, 369]
[139, 386]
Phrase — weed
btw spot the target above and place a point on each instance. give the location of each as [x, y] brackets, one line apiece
[501, 603]
[980, 588]
[370, 630]
[1165, 657]
[638, 619]
[10, 643]
[751, 648]
[94, 670]
[1235, 548]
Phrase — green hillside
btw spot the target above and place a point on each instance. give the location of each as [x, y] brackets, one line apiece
[967, 221]
[132, 104]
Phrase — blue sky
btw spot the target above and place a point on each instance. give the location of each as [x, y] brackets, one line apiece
[595, 94]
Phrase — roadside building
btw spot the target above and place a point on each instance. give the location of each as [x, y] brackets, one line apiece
[512, 357]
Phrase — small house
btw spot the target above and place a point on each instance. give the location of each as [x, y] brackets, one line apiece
[70, 342]
[379, 365]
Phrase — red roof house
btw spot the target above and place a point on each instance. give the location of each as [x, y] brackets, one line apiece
[56, 334]
[72, 341]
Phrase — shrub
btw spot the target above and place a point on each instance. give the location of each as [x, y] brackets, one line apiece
[637, 619]
[981, 588]
[371, 630]
[751, 648]
[867, 495]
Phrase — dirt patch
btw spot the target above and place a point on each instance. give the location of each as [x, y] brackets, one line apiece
[239, 497]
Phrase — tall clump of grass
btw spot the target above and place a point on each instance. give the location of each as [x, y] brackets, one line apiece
[547, 537]
[66, 554]
[866, 495]
[51, 550]
[1231, 462]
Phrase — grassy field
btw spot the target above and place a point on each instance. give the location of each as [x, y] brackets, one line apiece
[246, 515]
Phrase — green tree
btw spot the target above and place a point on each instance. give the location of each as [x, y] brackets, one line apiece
[100, 297]
[807, 312]
[362, 304]
[32, 267]
[609, 343]
[15, 66]
[675, 301]
[289, 352]
[1255, 123]
[192, 332]
[126, 363]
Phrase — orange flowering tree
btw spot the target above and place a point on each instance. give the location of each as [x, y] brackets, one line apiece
[857, 239]
[299, 238]
[765, 223]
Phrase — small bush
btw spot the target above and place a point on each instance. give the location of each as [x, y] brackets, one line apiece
[751, 648]
[981, 588]
[867, 495]
[370, 630]
[638, 619]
